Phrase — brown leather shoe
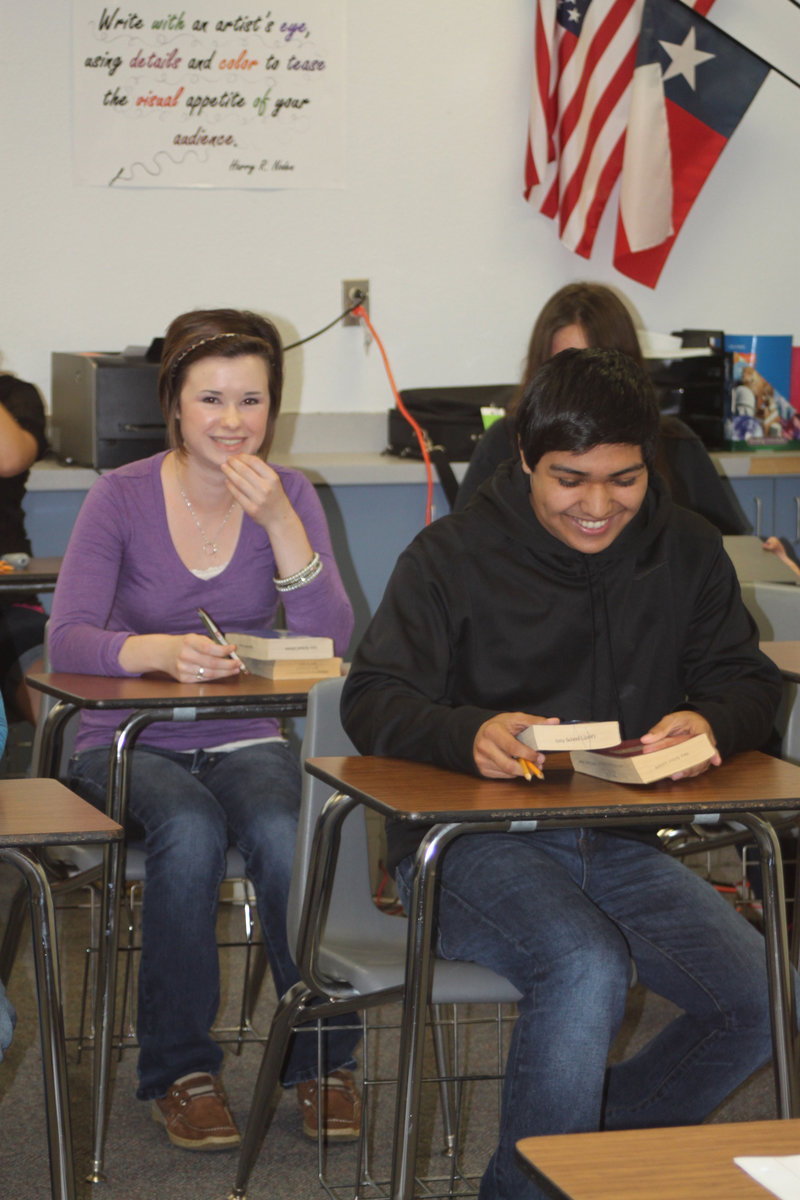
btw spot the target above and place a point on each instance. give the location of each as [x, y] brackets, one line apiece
[195, 1114]
[341, 1111]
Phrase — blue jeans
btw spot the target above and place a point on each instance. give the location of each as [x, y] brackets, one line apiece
[189, 808]
[561, 914]
[8, 1019]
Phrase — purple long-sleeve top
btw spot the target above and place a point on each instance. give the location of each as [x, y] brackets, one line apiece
[122, 575]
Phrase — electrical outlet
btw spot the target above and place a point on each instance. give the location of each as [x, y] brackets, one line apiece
[355, 291]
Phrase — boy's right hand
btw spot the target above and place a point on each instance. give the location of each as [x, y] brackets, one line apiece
[497, 751]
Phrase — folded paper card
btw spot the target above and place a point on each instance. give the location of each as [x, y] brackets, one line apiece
[780, 1176]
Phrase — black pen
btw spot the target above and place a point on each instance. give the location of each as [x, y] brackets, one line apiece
[219, 637]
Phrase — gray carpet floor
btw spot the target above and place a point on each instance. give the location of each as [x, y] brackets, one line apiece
[141, 1163]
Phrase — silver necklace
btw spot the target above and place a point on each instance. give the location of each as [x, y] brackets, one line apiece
[210, 546]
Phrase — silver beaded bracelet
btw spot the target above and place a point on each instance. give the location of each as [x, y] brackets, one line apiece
[300, 578]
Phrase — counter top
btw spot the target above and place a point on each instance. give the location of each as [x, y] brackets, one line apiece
[331, 469]
[739, 465]
[348, 448]
[329, 448]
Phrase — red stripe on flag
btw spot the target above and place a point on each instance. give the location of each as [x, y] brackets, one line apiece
[531, 176]
[550, 203]
[695, 150]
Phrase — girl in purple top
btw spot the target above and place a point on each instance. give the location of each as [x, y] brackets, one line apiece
[208, 524]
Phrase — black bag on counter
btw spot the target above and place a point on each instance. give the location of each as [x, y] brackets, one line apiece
[451, 418]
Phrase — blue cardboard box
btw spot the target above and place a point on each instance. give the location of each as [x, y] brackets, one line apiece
[761, 413]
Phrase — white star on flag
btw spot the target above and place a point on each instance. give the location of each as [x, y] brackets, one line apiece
[685, 57]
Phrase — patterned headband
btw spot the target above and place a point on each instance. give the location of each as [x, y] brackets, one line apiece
[216, 337]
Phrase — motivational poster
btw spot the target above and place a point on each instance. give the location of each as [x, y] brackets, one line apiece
[209, 95]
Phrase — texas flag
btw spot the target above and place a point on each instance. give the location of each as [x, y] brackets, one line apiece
[691, 87]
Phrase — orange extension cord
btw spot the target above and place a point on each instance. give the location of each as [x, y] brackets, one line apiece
[360, 311]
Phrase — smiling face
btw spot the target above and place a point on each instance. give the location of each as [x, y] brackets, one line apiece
[586, 500]
[224, 407]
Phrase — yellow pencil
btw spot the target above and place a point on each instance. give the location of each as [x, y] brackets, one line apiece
[529, 769]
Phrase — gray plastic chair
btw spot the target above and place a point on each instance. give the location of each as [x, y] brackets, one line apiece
[353, 956]
[775, 608]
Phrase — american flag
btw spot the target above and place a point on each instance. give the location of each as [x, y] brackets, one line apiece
[584, 59]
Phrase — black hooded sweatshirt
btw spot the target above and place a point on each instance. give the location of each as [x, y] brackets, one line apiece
[488, 612]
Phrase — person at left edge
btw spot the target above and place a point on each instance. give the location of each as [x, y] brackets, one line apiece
[207, 524]
[8, 1016]
[22, 618]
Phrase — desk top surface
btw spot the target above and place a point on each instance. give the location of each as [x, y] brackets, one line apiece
[39, 575]
[692, 1163]
[152, 691]
[786, 656]
[746, 782]
[39, 812]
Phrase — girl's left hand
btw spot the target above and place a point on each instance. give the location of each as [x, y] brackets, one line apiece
[255, 486]
[258, 489]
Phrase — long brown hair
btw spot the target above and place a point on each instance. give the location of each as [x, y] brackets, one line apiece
[604, 319]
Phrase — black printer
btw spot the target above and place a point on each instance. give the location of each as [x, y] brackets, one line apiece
[105, 409]
[696, 384]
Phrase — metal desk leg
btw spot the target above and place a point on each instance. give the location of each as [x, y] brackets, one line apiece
[778, 969]
[51, 1022]
[113, 883]
[49, 751]
[417, 995]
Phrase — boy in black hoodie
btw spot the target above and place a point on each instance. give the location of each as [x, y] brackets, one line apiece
[571, 587]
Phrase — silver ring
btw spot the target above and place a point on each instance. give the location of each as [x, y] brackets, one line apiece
[200, 672]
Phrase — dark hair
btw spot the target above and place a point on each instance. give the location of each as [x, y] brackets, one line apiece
[602, 316]
[217, 333]
[586, 398]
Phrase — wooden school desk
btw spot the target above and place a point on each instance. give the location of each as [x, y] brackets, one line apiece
[690, 1163]
[786, 656]
[40, 575]
[42, 812]
[140, 701]
[457, 804]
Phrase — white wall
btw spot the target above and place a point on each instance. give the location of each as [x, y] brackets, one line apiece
[432, 213]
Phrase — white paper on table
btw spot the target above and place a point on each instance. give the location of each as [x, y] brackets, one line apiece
[781, 1176]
